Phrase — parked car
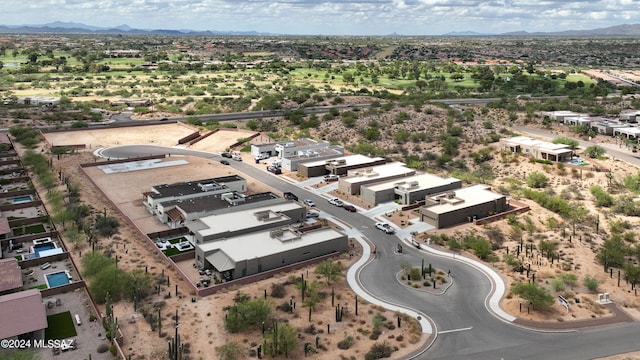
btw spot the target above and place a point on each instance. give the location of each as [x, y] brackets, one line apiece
[262, 156]
[330, 177]
[349, 207]
[309, 202]
[312, 214]
[236, 158]
[224, 162]
[226, 155]
[385, 227]
[290, 196]
[275, 170]
[335, 201]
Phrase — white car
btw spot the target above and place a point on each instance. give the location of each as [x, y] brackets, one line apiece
[309, 202]
[236, 158]
[312, 214]
[385, 227]
[331, 177]
[336, 202]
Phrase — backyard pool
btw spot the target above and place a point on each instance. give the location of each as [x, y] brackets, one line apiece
[22, 199]
[57, 279]
[578, 162]
[38, 248]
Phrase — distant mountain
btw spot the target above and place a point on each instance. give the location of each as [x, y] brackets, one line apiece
[76, 28]
[618, 30]
[466, 33]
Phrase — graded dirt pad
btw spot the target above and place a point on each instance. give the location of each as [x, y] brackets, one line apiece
[165, 134]
[129, 197]
[221, 140]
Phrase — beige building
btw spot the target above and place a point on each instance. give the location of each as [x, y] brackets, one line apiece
[538, 149]
[357, 178]
[256, 252]
[463, 205]
[338, 166]
[408, 190]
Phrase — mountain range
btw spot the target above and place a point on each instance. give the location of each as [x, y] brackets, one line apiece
[80, 28]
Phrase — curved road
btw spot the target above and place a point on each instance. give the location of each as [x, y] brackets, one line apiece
[465, 329]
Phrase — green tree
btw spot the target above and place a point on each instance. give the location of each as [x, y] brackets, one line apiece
[536, 295]
[573, 143]
[594, 151]
[247, 314]
[281, 340]
[106, 226]
[537, 180]
[331, 270]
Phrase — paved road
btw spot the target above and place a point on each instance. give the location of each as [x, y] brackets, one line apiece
[464, 327]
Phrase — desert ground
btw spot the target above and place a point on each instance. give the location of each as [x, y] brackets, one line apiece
[205, 316]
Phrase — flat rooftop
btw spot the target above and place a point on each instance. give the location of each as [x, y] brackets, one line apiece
[244, 219]
[311, 154]
[192, 187]
[374, 172]
[218, 201]
[530, 142]
[11, 274]
[463, 198]
[416, 182]
[269, 242]
[350, 160]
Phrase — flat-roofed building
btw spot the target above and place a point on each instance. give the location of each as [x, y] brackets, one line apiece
[408, 190]
[630, 116]
[561, 115]
[260, 251]
[463, 205]
[338, 165]
[292, 163]
[578, 120]
[176, 213]
[214, 227]
[22, 313]
[357, 178]
[192, 189]
[628, 132]
[11, 276]
[607, 127]
[538, 149]
[287, 148]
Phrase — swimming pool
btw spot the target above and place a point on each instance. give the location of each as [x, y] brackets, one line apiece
[57, 279]
[22, 199]
[42, 247]
[578, 162]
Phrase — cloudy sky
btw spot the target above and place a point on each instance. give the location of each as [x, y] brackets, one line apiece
[330, 17]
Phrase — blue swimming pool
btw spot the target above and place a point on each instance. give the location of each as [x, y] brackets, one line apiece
[22, 199]
[41, 247]
[57, 279]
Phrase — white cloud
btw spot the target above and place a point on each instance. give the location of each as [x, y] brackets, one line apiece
[330, 16]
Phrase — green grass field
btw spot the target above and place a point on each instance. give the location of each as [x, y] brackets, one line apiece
[60, 327]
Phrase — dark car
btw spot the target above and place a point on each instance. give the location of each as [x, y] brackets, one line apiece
[226, 155]
[274, 169]
[224, 162]
[349, 207]
[290, 196]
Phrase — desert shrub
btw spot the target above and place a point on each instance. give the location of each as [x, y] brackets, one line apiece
[591, 283]
[102, 348]
[346, 343]
[379, 351]
[557, 284]
[278, 290]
